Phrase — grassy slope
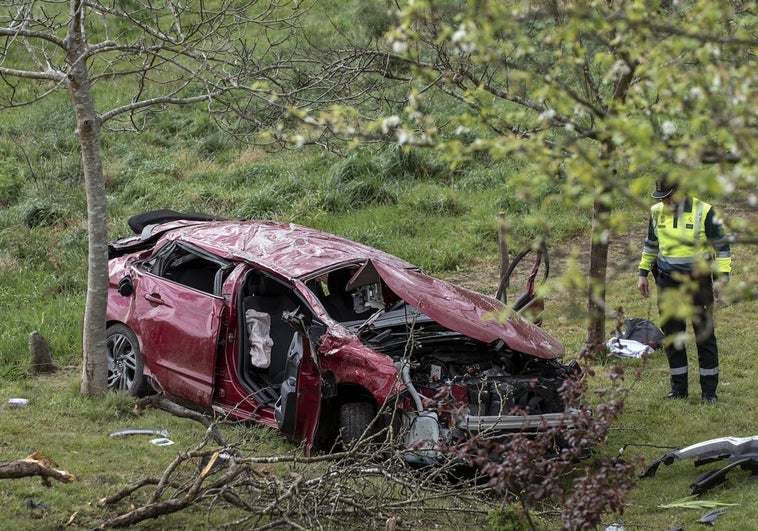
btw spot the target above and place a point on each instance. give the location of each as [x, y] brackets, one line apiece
[443, 221]
[72, 430]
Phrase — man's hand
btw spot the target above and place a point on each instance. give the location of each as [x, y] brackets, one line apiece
[644, 287]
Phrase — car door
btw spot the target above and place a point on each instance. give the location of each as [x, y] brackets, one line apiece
[180, 325]
[298, 408]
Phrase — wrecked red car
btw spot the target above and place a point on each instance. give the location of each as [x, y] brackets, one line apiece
[312, 334]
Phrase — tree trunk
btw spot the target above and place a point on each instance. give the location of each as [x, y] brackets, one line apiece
[598, 273]
[601, 228]
[94, 361]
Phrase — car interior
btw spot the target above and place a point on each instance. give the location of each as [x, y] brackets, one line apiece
[190, 269]
[266, 295]
[339, 303]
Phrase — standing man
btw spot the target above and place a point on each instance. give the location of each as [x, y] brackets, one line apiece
[690, 259]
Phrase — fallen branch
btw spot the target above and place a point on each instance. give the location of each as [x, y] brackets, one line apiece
[369, 488]
[34, 465]
[161, 402]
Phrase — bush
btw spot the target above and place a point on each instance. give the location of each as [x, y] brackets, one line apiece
[37, 213]
[399, 163]
[357, 182]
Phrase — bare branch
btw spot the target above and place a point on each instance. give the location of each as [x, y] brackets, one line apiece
[34, 465]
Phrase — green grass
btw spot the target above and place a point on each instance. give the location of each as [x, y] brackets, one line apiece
[73, 430]
[407, 203]
[651, 425]
[443, 221]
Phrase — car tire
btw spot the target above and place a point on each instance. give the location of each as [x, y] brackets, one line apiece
[125, 365]
[355, 417]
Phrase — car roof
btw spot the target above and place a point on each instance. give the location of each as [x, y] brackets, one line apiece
[291, 250]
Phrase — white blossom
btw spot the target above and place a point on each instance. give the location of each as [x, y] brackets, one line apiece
[668, 127]
[547, 114]
[404, 137]
[620, 68]
[391, 122]
[696, 93]
[580, 111]
[727, 184]
[399, 46]
[460, 34]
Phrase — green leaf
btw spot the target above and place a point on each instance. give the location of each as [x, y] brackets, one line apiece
[692, 502]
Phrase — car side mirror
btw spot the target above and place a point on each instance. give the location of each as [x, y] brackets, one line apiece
[125, 286]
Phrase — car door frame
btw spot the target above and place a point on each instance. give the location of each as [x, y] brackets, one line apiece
[180, 327]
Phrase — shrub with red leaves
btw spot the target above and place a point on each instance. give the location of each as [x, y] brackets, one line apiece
[554, 465]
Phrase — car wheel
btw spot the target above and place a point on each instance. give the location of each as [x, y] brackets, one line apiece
[125, 366]
[355, 417]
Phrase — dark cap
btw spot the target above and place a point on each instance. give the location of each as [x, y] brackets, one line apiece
[664, 187]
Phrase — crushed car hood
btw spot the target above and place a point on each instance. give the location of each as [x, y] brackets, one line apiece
[466, 312]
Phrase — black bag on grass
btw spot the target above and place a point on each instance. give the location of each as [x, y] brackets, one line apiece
[644, 331]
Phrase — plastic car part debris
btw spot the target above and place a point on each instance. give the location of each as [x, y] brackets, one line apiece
[710, 517]
[739, 451]
[708, 451]
[712, 478]
[627, 348]
[42, 506]
[161, 441]
[138, 431]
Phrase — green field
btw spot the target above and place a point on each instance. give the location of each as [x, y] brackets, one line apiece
[434, 205]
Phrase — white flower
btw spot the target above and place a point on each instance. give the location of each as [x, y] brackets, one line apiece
[460, 34]
[404, 137]
[399, 46]
[461, 130]
[621, 68]
[389, 123]
[727, 184]
[547, 114]
[668, 127]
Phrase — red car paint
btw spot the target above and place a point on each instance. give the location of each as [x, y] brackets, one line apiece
[190, 322]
